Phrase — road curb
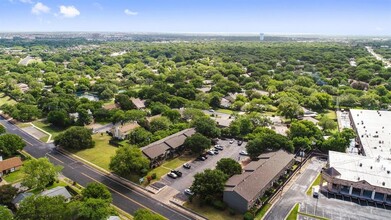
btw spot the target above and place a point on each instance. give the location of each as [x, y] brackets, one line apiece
[292, 210]
[201, 217]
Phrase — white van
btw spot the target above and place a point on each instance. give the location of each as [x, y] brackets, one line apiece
[315, 191]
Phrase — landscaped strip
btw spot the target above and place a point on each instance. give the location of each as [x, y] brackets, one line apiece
[293, 213]
[315, 183]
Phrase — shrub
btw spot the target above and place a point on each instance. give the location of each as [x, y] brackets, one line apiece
[248, 216]
[153, 176]
[231, 211]
[218, 204]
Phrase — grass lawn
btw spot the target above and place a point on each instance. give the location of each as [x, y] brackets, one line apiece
[169, 165]
[263, 211]
[331, 114]
[225, 111]
[293, 214]
[54, 131]
[14, 177]
[5, 99]
[315, 183]
[100, 154]
[212, 213]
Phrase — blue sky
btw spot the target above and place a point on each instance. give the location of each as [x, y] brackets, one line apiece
[341, 17]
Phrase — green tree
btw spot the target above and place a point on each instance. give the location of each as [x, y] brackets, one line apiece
[209, 184]
[7, 193]
[339, 141]
[129, 160]
[94, 209]
[43, 207]
[268, 141]
[75, 138]
[10, 144]
[39, 173]
[306, 129]
[158, 124]
[2, 129]
[289, 108]
[59, 118]
[327, 124]
[197, 143]
[5, 214]
[97, 191]
[124, 101]
[206, 126]
[145, 214]
[229, 166]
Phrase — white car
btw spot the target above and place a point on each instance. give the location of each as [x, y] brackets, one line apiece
[244, 153]
[231, 141]
[211, 152]
[189, 192]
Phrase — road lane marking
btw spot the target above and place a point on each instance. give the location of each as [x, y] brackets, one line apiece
[126, 197]
[28, 143]
[48, 154]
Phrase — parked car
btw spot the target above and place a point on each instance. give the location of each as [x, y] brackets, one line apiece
[205, 155]
[211, 152]
[186, 165]
[172, 175]
[189, 192]
[219, 147]
[215, 151]
[244, 153]
[177, 172]
[240, 143]
[201, 158]
[211, 110]
[231, 141]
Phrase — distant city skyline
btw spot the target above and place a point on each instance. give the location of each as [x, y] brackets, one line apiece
[321, 17]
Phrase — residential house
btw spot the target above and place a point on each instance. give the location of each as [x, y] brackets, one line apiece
[122, 131]
[57, 191]
[140, 104]
[111, 106]
[243, 191]
[20, 197]
[9, 165]
[23, 87]
[166, 147]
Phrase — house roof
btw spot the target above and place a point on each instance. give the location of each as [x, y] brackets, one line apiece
[20, 197]
[111, 106]
[10, 163]
[173, 141]
[250, 183]
[153, 151]
[176, 141]
[126, 128]
[138, 102]
[57, 191]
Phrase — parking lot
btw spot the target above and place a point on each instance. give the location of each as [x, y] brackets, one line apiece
[184, 182]
[340, 208]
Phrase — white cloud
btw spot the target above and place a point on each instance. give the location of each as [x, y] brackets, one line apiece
[40, 8]
[69, 11]
[27, 1]
[129, 12]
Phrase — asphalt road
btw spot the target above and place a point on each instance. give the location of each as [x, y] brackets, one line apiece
[123, 197]
[296, 192]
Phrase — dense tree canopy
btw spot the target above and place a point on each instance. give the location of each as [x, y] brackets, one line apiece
[10, 144]
[197, 143]
[129, 160]
[229, 166]
[39, 173]
[209, 184]
[96, 190]
[76, 138]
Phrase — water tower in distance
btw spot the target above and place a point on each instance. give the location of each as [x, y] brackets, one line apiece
[261, 36]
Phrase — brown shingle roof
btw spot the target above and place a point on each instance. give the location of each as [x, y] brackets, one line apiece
[126, 128]
[10, 163]
[138, 102]
[111, 106]
[176, 141]
[249, 185]
[155, 150]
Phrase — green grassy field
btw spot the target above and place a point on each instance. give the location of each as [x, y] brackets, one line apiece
[293, 214]
[331, 114]
[4, 99]
[263, 211]
[14, 177]
[212, 213]
[225, 111]
[315, 183]
[101, 154]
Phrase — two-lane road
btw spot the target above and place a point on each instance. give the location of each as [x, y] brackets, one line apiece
[123, 197]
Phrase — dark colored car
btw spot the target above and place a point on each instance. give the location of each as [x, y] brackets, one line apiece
[201, 158]
[177, 172]
[186, 165]
[240, 143]
[215, 151]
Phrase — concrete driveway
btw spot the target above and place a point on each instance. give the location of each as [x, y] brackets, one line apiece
[184, 182]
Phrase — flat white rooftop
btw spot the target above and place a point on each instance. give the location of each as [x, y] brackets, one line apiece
[374, 131]
[376, 172]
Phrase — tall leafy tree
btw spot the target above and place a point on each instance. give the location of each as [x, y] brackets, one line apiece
[7, 193]
[209, 184]
[43, 207]
[39, 173]
[75, 138]
[97, 191]
[10, 144]
[229, 166]
[129, 160]
[206, 126]
[197, 143]
[5, 214]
